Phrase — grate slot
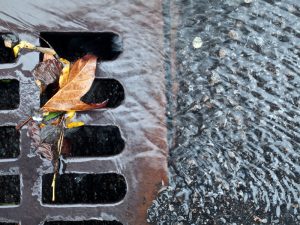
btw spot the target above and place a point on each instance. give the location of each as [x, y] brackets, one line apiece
[9, 142]
[93, 141]
[84, 188]
[9, 190]
[7, 54]
[74, 45]
[86, 222]
[105, 89]
[8, 224]
[9, 94]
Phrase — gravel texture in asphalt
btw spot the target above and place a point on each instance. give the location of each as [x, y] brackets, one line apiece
[235, 133]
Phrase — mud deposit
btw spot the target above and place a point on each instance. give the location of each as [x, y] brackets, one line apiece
[236, 154]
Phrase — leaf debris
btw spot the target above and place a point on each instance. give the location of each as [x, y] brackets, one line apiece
[46, 127]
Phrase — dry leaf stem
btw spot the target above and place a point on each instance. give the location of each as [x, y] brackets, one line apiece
[56, 163]
[19, 126]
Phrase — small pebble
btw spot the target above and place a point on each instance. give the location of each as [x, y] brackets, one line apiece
[222, 53]
[197, 42]
[233, 35]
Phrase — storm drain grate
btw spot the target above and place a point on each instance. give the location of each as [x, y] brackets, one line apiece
[117, 161]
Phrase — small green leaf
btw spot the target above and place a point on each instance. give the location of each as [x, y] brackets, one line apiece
[52, 115]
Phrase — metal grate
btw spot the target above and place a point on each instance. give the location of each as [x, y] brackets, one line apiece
[126, 142]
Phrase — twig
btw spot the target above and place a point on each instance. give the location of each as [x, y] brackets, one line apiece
[53, 187]
[19, 126]
[59, 148]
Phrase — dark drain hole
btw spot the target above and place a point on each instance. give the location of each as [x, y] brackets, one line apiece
[8, 224]
[9, 190]
[87, 222]
[9, 142]
[101, 90]
[71, 46]
[84, 188]
[89, 141]
[105, 89]
[7, 54]
[9, 94]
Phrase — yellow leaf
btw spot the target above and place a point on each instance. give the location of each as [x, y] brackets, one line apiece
[42, 125]
[75, 124]
[23, 44]
[64, 76]
[70, 114]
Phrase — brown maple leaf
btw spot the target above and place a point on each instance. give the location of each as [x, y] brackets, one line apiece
[79, 82]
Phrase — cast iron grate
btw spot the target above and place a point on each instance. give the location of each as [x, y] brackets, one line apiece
[128, 140]
[87, 141]
[89, 188]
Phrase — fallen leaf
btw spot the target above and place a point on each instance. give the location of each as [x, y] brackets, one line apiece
[45, 150]
[74, 124]
[23, 44]
[48, 56]
[80, 80]
[70, 114]
[64, 76]
[49, 134]
[51, 116]
[34, 133]
[27, 45]
[47, 72]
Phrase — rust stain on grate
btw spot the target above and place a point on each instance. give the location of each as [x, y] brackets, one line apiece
[121, 156]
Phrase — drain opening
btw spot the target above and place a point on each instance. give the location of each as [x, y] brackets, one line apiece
[7, 54]
[9, 142]
[84, 188]
[9, 94]
[101, 90]
[9, 190]
[71, 46]
[92, 141]
[105, 89]
[8, 224]
[86, 222]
